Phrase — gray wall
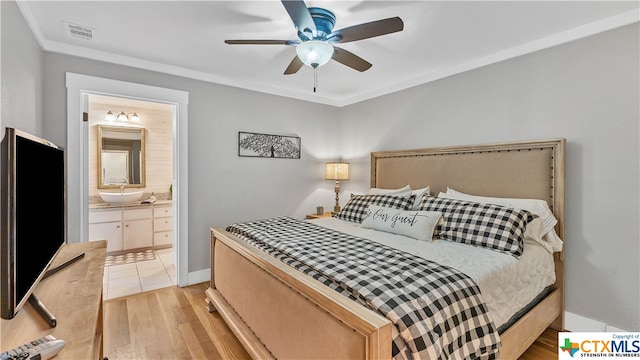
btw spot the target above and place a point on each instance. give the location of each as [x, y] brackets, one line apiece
[22, 63]
[585, 91]
[223, 187]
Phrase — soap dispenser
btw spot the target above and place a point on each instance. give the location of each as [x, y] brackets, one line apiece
[152, 198]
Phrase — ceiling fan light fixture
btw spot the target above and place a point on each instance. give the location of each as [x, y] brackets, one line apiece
[314, 53]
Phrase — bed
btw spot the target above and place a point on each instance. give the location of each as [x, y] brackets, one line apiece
[279, 312]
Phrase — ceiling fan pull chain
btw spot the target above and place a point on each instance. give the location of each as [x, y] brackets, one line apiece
[315, 78]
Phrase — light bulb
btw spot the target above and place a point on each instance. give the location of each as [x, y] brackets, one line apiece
[314, 53]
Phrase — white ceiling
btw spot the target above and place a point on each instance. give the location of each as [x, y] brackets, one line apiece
[440, 38]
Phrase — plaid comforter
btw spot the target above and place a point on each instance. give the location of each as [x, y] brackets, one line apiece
[438, 311]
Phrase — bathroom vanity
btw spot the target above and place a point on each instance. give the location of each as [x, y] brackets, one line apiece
[132, 226]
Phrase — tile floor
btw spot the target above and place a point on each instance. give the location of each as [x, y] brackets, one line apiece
[132, 278]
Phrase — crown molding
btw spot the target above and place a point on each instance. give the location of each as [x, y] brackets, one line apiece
[596, 27]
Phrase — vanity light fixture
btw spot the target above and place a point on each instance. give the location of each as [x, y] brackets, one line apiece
[122, 117]
[337, 171]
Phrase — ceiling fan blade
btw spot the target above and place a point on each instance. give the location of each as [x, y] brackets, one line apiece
[294, 66]
[350, 59]
[367, 30]
[261, 42]
[300, 15]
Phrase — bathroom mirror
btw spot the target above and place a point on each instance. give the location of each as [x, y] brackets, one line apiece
[121, 159]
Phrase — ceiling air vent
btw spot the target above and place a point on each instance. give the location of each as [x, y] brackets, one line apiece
[78, 31]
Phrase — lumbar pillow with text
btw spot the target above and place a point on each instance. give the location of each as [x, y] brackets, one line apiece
[356, 209]
[416, 224]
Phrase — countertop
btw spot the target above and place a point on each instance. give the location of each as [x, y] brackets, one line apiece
[137, 204]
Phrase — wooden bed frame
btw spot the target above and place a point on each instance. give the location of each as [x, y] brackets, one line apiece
[279, 312]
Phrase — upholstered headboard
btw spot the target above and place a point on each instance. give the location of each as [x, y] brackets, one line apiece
[529, 169]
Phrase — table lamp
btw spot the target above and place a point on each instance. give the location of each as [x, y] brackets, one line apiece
[337, 171]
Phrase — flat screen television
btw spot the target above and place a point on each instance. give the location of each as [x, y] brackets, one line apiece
[33, 220]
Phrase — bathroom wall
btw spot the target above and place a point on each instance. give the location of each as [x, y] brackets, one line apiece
[157, 119]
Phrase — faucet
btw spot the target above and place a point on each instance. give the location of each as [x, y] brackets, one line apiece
[124, 181]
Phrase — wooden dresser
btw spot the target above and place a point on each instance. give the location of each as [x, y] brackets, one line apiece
[74, 296]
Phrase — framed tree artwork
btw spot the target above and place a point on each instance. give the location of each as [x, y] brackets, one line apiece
[267, 145]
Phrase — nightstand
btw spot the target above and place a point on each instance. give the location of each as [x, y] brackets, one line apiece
[316, 216]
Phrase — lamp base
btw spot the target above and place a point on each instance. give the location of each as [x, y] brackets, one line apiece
[336, 188]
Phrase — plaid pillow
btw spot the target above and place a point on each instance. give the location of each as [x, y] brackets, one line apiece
[492, 226]
[356, 208]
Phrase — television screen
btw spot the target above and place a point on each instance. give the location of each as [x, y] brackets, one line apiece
[34, 217]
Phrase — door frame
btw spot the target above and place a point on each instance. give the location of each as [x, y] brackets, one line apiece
[78, 87]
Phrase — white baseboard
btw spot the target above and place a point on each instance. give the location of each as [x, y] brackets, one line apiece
[577, 323]
[609, 328]
[196, 277]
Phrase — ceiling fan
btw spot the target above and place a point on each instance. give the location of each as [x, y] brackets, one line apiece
[315, 46]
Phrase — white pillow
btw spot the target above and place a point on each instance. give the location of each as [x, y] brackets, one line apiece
[404, 191]
[534, 206]
[532, 234]
[419, 193]
[416, 224]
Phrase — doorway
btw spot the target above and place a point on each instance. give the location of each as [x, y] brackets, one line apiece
[79, 87]
[131, 152]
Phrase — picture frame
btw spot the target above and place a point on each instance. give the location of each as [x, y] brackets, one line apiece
[252, 144]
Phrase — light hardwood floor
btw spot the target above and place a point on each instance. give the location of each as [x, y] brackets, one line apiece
[173, 323]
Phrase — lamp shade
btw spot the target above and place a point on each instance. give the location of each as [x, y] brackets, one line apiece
[337, 171]
[123, 116]
[110, 116]
[314, 53]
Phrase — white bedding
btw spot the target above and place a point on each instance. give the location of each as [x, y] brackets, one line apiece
[507, 284]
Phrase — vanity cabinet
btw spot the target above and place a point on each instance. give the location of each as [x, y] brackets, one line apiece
[106, 225]
[138, 227]
[133, 228]
[163, 225]
[110, 231]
